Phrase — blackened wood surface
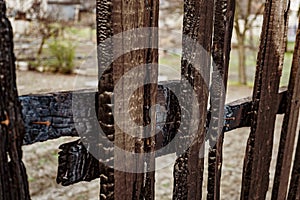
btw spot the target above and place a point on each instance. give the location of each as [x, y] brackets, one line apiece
[258, 154]
[105, 88]
[48, 116]
[13, 177]
[41, 127]
[223, 26]
[289, 128]
[195, 67]
[115, 17]
[73, 157]
[294, 191]
[76, 164]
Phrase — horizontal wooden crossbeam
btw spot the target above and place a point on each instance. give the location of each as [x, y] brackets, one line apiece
[50, 116]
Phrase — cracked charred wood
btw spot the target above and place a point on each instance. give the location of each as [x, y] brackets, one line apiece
[13, 177]
[36, 112]
[223, 26]
[48, 116]
[195, 68]
[255, 181]
[237, 115]
[115, 17]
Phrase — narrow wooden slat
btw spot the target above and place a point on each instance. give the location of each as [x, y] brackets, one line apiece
[294, 186]
[255, 179]
[289, 127]
[195, 68]
[13, 177]
[223, 26]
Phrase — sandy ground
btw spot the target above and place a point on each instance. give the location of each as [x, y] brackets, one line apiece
[41, 158]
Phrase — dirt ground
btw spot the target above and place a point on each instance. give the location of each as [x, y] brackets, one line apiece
[41, 159]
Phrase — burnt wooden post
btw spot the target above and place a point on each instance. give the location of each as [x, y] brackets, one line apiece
[13, 178]
[268, 71]
[223, 26]
[195, 67]
[113, 18]
[289, 129]
[294, 191]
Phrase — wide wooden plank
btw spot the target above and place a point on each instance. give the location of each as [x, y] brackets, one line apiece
[120, 22]
[289, 128]
[258, 154]
[13, 177]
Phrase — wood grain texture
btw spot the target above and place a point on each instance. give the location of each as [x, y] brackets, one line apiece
[195, 68]
[294, 186]
[258, 154]
[289, 128]
[223, 26]
[13, 177]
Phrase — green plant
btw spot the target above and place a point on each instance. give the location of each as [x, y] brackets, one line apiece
[62, 55]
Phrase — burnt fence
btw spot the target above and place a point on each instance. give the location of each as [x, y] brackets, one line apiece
[28, 119]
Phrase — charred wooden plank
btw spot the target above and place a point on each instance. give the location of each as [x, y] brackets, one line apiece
[289, 128]
[13, 177]
[294, 186]
[195, 68]
[105, 56]
[258, 154]
[237, 114]
[223, 26]
[48, 116]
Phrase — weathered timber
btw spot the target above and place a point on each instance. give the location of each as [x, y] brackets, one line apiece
[48, 116]
[237, 114]
[13, 177]
[195, 68]
[116, 61]
[105, 56]
[294, 187]
[289, 128]
[258, 154]
[223, 26]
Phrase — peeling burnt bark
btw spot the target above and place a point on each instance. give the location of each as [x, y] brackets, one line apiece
[105, 88]
[223, 26]
[195, 67]
[258, 154]
[13, 177]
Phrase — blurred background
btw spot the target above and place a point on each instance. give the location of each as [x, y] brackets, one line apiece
[55, 38]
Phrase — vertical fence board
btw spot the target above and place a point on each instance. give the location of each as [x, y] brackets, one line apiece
[195, 67]
[13, 178]
[223, 26]
[255, 180]
[294, 187]
[126, 16]
[289, 127]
